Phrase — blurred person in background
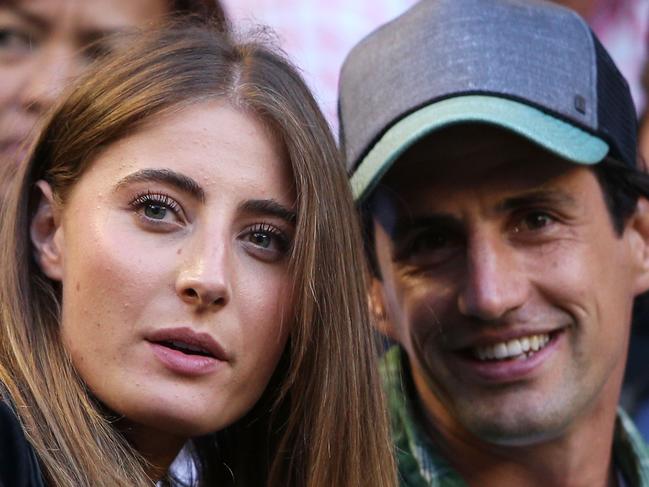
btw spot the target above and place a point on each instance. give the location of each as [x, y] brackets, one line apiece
[45, 44]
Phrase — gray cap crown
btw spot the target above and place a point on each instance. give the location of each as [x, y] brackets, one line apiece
[534, 52]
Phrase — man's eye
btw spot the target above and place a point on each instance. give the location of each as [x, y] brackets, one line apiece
[428, 247]
[534, 221]
[429, 241]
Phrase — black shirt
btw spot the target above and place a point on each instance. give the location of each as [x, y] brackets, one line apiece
[18, 464]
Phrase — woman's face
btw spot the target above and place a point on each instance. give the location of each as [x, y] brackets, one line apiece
[173, 252]
[42, 49]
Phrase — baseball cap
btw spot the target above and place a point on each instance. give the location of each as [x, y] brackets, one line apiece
[531, 67]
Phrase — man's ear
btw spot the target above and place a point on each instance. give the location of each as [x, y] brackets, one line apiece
[46, 233]
[382, 321]
[639, 228]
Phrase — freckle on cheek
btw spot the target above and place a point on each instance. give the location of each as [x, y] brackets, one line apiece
[78, 286]
[179, 251]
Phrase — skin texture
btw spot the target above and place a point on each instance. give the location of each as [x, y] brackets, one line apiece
[136, 255]
[42, 49]
[484, 242]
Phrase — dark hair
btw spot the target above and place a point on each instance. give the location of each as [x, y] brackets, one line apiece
[622, 186]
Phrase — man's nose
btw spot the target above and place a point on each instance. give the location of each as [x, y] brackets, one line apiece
[52, 72]
[204, 276]
[495, 282]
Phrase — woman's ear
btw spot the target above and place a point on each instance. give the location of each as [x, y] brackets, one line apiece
[46, 233]
[382, 321]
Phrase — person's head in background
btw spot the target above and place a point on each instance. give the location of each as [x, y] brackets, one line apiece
[187, 188]
[45, 44]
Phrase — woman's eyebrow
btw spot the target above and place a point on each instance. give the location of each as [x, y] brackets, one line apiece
[268, 207]
[166, 176]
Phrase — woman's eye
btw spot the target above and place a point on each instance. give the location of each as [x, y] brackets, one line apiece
[261, 239]
[157, 208]
[266, 241]
[157, 212]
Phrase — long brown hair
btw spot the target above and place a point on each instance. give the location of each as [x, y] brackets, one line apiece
[321, 421]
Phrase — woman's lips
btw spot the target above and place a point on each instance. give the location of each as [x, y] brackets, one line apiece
[182, 363]
[187, 352]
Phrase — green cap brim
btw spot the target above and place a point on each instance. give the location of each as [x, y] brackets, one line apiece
[559, 137]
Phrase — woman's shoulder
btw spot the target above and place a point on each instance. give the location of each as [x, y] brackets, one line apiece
[18, 464]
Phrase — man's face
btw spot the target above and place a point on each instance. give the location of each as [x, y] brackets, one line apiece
[504, 281]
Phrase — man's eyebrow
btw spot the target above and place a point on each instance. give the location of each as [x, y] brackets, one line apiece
[269, 207]
[538, 197]
[166, 176]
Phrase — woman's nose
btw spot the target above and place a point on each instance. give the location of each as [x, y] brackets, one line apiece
[204, 277]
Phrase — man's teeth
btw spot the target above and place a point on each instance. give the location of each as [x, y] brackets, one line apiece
[513, 348]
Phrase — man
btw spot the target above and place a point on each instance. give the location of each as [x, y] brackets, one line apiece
[492, 147]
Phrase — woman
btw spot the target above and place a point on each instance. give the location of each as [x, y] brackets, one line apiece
[46, 43]
[179, 259]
